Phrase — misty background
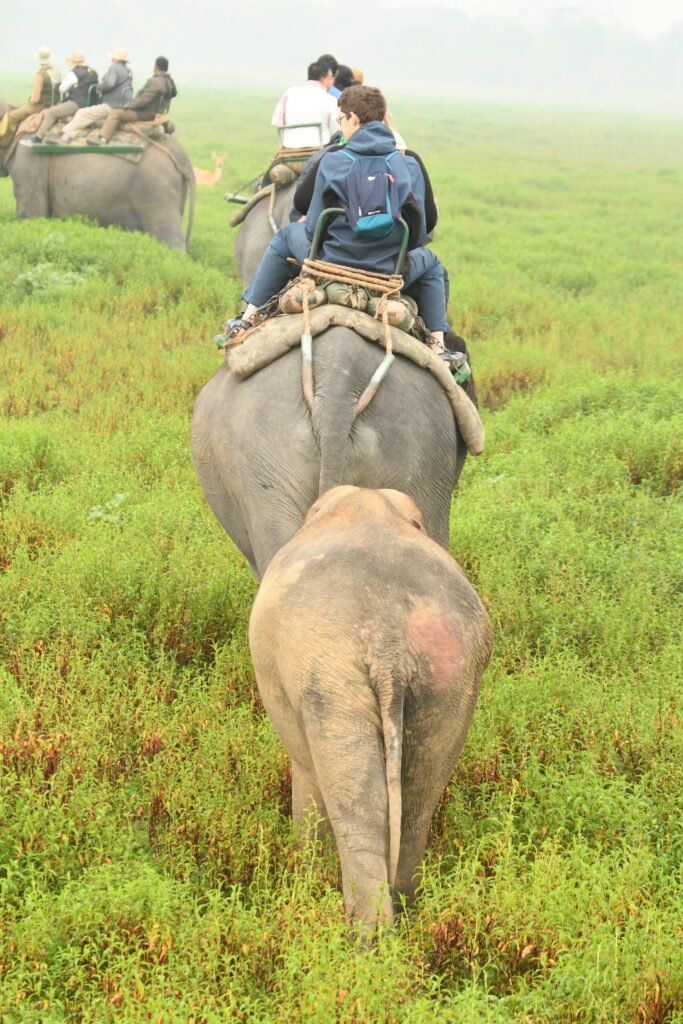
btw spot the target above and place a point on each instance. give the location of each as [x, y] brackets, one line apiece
[627, 54]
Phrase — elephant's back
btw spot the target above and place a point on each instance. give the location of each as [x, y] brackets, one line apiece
[255, 233]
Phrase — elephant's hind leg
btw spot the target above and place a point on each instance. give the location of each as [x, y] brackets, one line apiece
[425, 774]
[308, 806]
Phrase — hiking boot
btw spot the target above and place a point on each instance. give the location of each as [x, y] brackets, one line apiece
[236, 326]
[33, 140]
[458, 365]
[231, 328]
[98, 140]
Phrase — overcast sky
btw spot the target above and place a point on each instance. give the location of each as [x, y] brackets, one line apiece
[623, 52]
[645, 17]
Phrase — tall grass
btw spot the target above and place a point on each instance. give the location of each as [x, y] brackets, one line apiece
[147, 865]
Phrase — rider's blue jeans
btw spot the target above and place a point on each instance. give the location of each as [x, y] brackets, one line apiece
[424, 275]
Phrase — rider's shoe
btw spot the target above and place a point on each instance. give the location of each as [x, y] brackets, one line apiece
[231, 329]
[458, 365]
[236, 326]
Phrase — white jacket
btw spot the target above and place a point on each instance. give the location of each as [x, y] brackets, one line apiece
[304, 104]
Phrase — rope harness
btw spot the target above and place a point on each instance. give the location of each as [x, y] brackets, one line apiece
[384, 285]
[294, 155]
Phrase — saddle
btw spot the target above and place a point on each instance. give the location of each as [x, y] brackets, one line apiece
[252, 350]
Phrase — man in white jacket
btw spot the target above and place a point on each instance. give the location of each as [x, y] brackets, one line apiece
[309, 104]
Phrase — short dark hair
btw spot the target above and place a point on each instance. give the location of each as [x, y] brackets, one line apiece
[317, 70]
[366, 103]
[327, 58]
[344, 77]
[161, 63]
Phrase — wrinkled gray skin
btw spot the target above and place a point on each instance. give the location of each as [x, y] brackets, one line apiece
[368, 644]
[262, 459]
[149, 196]
[255, 233]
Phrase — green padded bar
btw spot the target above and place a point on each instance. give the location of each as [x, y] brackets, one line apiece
[52, 147]
[334, 211]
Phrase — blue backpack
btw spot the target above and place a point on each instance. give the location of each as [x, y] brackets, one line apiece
[372, 207]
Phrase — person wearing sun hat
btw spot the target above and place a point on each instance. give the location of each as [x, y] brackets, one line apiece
[115, 90]
[47, 77]
[73, 90]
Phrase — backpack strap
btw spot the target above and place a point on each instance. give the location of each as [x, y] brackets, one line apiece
[346, 153]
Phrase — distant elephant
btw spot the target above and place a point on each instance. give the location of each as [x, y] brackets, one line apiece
[262, 458]
[256, 232]
[368, 644]
[147, 196]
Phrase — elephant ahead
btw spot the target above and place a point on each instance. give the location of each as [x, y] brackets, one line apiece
[262, 458]
[256, 231]
[368, 644]
[148, 196]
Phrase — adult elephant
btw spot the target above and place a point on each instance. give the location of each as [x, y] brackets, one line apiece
[262, 458]
[256, 230]
[148, 196]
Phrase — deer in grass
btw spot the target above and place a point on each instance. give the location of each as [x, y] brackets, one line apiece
[203, 177]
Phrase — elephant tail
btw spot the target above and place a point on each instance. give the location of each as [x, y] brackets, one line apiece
[391, 698]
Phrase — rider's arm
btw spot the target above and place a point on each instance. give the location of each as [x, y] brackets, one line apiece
[67, 83]
[37, 89]
[304, 190]
[109, 80]
[149, 92]
[431, 212]
[330, 121]
[317, 203]
[278, 119]
[307, 178]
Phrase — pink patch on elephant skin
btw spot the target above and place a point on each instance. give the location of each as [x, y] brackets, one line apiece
[437, 640]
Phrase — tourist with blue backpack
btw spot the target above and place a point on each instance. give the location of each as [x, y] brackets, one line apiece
[376, 185]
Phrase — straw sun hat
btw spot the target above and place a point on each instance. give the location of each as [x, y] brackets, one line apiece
[76, 59]
[118, 54]
[44, 55]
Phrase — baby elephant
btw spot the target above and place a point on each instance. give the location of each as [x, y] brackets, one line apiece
[368, 644]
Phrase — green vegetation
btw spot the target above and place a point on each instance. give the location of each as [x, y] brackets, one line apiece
[147, 867]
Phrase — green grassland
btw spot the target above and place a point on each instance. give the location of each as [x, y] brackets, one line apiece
[148, 871]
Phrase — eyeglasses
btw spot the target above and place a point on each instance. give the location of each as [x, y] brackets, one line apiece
[343, 117]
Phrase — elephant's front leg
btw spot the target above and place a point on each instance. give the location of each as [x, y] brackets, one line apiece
[31, 195]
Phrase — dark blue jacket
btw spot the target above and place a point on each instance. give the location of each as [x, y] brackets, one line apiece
[341, 244]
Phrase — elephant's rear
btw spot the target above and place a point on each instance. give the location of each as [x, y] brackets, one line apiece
[369, 644]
